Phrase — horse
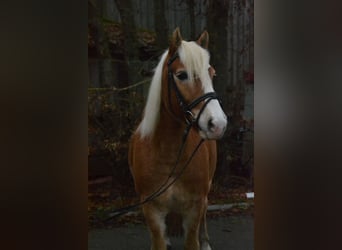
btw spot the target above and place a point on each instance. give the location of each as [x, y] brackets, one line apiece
[181, 98]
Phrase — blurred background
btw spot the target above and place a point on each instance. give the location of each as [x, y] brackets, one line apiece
[125, 41]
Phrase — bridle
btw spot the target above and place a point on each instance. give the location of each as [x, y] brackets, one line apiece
[190, 118]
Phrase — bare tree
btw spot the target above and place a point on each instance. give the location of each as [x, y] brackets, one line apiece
[161, 26]
[130, 53]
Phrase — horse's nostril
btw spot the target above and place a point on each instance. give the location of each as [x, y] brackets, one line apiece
[210, 124]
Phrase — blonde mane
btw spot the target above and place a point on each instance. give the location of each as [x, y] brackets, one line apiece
[196, 62]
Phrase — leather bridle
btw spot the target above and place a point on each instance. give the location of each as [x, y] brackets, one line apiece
[190, 118]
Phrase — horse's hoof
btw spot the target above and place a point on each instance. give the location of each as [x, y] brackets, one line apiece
[205, 246]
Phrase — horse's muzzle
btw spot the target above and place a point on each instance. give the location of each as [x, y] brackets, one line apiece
[214, 129]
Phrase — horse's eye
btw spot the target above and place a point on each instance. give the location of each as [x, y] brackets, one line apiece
[182, 76]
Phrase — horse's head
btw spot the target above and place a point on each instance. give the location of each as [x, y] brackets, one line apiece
[189, 92]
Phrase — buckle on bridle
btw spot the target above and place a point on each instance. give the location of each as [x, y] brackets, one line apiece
[189, 117]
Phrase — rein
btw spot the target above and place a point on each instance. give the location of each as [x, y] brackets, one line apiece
[190, 121]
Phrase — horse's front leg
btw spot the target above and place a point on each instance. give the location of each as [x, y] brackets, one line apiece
[155, 219]
[204, 238]
[191, 223]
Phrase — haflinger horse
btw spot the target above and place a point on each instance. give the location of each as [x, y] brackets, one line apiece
[181, 98]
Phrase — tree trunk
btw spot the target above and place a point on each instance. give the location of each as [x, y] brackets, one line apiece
[191, 11]
[161, 26]
[218, 17]
[127, 72]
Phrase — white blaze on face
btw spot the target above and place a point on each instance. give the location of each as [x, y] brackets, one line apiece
[212, 121]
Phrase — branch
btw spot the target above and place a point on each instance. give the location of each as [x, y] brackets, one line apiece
[114, 89]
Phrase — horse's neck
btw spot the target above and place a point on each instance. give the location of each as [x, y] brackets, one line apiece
[169, 129]
[168, 138]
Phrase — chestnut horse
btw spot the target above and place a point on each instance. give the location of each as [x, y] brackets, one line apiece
[181, 98]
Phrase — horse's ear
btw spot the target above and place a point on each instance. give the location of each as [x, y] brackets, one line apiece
[176, 41]
[203, 40]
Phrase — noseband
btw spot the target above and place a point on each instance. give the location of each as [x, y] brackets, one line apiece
[190, 118]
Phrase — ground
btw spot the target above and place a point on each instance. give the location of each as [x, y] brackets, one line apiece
[235, 232]
[229, 229]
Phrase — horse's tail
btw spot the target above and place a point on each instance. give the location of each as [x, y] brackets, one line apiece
[174, 224]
